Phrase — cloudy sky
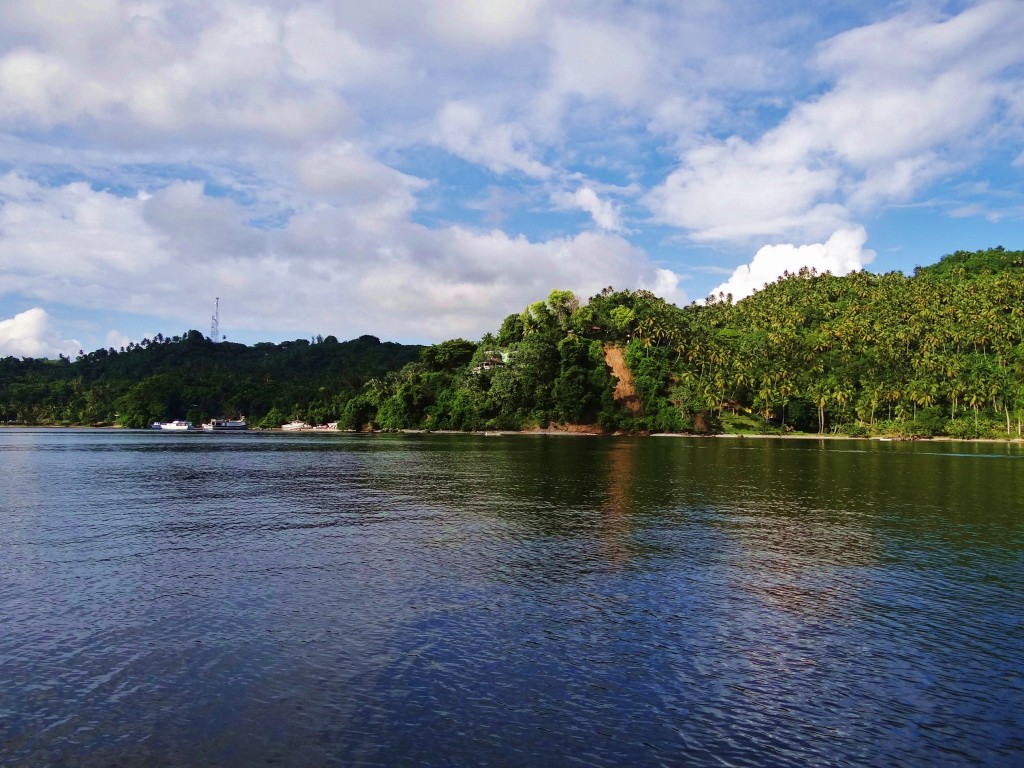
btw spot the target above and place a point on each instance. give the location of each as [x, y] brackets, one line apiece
[418, 169]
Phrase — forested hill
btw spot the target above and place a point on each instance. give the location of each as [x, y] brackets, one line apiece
[191, 377]
[937, 353]
[971, 263]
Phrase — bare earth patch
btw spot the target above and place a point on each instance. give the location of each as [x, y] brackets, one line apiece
[625, 392]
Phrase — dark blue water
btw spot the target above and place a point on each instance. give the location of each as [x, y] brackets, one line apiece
[294, 600]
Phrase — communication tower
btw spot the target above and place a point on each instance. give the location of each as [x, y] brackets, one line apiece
[215, 321]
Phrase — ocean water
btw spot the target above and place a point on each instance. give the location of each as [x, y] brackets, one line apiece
[333, 599]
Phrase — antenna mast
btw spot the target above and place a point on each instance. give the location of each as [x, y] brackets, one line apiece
[215, 321]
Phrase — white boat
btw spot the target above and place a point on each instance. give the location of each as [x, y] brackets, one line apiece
[292, 426]
[225, 425]
[175, 426]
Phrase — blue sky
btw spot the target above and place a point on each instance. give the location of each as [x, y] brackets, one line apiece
[420, 169]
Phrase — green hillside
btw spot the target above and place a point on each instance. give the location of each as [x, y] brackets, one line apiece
[938, 353]
[190, 377]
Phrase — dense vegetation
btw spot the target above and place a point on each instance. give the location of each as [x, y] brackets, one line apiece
[191, 377]
[939, 352]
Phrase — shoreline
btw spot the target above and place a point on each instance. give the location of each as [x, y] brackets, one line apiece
[564, 433]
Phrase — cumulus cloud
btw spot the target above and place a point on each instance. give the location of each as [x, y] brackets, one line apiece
[119, 66]
[664, 283]
[345, 174]
[116, 339]
[70, 242]
[734, 190]
[463, 130]
[841, 254]
[606, 215]
[484, 23]
[478, 278]
[904, 93]
[329, 269]
[598, 60]
[284, 154]
[318, 49]
[32, 333]
[193, 226]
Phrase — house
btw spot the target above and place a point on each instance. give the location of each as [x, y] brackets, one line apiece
[491, 360]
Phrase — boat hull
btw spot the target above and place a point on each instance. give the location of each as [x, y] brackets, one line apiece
[225, 425]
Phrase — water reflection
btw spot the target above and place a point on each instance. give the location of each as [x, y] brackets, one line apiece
[380, 600]
[618, 509]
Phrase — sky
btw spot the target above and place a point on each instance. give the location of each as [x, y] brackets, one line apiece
[419, 169]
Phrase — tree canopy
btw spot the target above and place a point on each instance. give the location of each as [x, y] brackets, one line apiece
[939, 352]
[191, 377]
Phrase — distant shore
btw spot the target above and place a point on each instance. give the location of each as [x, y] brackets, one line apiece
[686, 435]
[577, 431]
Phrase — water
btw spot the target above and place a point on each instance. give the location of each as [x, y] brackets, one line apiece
[325, 599]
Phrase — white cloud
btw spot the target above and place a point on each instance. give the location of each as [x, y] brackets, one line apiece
[116, 339]
[463, 130]
[344, 173]
[606, 215]
[734, 190]
[32, 334]
[64, 23]
[310, 127]
[72, 242]
[598, 60]
[192, 227]
[664, 283]
[683, 117]
[471, 280]
[121, 66]
[320, 50]
[330, 269]
[841, 254]
[484, 23]
[912, 98]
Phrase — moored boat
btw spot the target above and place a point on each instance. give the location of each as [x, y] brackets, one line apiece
[178, 425]
[225, 425]
[292, 426]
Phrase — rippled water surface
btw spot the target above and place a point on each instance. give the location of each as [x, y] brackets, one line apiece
[326, 599]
